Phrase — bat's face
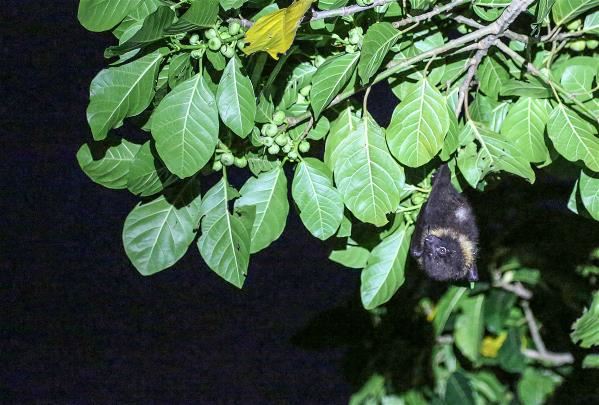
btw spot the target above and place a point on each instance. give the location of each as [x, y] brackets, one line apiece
[442, 258]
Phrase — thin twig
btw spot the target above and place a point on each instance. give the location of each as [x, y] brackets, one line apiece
[533, 328]
[344, 11]
[557, 359]
[517, 288]
[427, 16]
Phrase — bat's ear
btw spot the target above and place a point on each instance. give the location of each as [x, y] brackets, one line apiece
[473, 273]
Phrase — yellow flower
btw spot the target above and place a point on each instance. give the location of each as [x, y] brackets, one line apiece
[491, 345]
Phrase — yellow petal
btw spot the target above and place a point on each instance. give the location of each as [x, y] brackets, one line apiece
[491, 345]
[275, 32]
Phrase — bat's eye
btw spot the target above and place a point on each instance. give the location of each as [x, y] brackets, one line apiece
[442, 250]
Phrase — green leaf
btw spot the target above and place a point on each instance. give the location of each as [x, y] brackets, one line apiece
[418, 125]
[320, 130]
[525, 127]
[510, 356]
[469, 327]
[536, 385]
[586, 328]
[319, 202]
[344, 125]
[379, 38]
[120, 92]
[366, 174]
[107, 163]
[268, 193]
[566, 10]
[352, 256]
[491, 74]
[236, 100]
[451, 142]
[487, 384]
[384, 273]
[151, 31]
[229, 4]
[513, 87]
[573, 137]
[225, 240]
[591, 361]
[445, 307]
[201, 14]
[458, 390]
[498, 305]
[180, 69]
[578, 80]
[102, 15]
[589, 193]
[147, 174]
[591, 23]
[330, 78]
[261, 163]
[185, 127]
[157, 233]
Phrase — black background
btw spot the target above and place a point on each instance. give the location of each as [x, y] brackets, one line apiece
[81, 323]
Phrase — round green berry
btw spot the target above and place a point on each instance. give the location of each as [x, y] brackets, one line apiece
[354, 38]
[578, 46]
[211, 33]
[234, 28]
[217, 166]
[194, 39]
[304, 146]
[592, 43]
[227, 159]
[227, 51]
[574, 25]
[305, 91]
[266, 141]
[214, 43]
[240, 44]
[241, 162]
[293, 155]
[274, 149]
[278, 117]
[225, 35]
[197, 53]
[287, 148]
[350, 48]
[270, 130]
[281, 139]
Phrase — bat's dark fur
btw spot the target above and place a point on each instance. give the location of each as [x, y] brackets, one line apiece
[444, 242]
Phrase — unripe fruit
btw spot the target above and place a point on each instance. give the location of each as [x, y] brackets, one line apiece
[217, 166]
[241, 162]
[350, 48]
[304, 146]
[269, 130]
[211, 33]
[266, 141]
[574, 25]
[592, 43]
[214, 43]
[227, 159]
[354, 38]
[462, 29]
[194, 39]
[197, 53]
[318, 60]
[225, 35]
[417, 198]
[227, 51]
[293, 155]
[305, 91]
[278, 117]
[274, 149]
[240, 44]
[234, 28]
[287, 148]
[578, 46]
[281, 139]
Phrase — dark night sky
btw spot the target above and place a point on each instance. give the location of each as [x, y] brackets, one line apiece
[82, 324]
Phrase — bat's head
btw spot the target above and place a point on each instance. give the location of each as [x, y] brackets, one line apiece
[446, 256]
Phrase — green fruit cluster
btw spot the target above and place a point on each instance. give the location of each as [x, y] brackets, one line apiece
[220, 39]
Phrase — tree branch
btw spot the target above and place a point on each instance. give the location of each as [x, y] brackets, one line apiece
[557, 359]
[344, 11]
[534, 328]
[426, 16]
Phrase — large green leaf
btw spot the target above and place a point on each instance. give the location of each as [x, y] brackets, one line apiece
[384, 273]
[536, 385]
[268, 193]
[201, 13]
[120, 92]
[344, 125]
[418, 125]
[229, 4]
[379, 38]
[589, 193]
[591, 23]
[491, 74]
[352, 256]
[567, 10]
[225, 240]
[236, 100]
[445, 307]
[525, 127]
[458, 390]
[147, 174]
[319, 202]
[185, 127]
[366, 174]
[107, 164]
[578, 80]
[330, 78]
[102, 15]
[586, 328]
[573, 137]
[510, 355]
[469, 327]
[157, 233]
